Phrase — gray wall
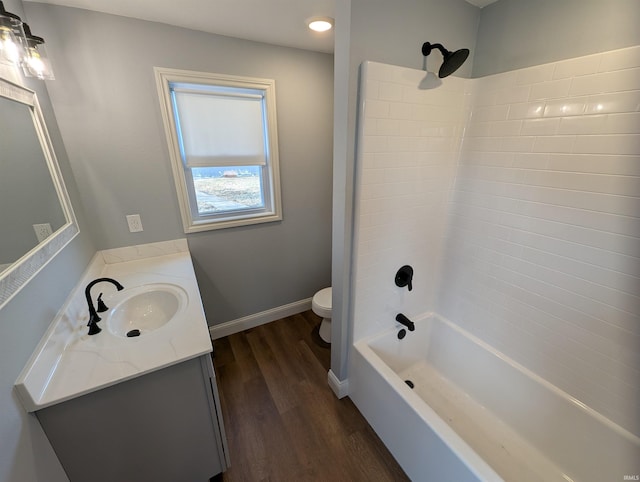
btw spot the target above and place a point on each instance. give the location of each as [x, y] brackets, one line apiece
[521, 33]
[25, 452]
[393, 32]
[107, 106]
[389, 32]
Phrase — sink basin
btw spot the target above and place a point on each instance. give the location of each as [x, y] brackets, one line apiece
[146, 308]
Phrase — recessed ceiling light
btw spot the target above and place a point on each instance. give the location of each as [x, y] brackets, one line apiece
[320, 24]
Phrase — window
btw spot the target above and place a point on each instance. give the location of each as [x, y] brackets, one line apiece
[223, 144]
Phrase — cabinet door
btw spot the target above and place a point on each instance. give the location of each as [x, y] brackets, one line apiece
[157, 427]
[214, 400]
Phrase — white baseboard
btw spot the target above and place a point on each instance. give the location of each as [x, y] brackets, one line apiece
[236, 326]
[340, 387]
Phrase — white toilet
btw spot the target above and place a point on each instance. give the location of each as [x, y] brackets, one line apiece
[321, 306]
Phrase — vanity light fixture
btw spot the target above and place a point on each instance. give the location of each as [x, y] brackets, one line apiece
[11, 48]
[320, 24]
[18, 46]
[35, 62]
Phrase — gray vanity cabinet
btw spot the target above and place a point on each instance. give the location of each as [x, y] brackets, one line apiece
[162, 426]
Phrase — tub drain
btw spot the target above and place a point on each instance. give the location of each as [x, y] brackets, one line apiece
[132, 333]
[410, 383]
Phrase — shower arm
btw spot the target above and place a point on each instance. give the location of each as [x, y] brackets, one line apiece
[427, 47]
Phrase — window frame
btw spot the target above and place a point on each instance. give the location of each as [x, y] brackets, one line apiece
[182, 174]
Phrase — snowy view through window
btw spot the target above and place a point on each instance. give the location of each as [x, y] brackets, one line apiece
[228, 188]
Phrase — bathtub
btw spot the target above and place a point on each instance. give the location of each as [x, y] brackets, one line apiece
[475, 414]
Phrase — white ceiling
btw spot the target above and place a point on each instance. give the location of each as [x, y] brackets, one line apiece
[280, 22]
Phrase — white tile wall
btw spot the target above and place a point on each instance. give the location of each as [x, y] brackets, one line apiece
[543, 254]
[408, 151]
[526, 231]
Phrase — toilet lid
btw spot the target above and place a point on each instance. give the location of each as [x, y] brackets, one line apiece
[322, 300]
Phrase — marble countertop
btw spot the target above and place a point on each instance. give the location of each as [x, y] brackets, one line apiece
[69, 363]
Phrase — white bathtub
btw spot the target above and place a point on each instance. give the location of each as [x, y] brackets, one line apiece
[475, 414]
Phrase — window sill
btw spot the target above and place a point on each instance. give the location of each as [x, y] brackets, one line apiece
[232, 222]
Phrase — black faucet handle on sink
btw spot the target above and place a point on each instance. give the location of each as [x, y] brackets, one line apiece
[94, 329]
[101, 306]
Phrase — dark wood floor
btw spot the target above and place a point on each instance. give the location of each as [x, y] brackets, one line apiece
[282, 420]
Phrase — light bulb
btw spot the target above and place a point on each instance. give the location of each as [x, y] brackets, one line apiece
[8, 46]
[35, 63]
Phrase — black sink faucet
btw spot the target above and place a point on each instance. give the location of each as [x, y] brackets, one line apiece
[400, 318]
[93, 315]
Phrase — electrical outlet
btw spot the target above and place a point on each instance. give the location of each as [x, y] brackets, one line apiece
[134, 222]
[43, 231]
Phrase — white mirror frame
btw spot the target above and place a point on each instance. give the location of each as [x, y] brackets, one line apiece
[24, 269]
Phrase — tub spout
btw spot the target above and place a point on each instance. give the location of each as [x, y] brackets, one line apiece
[400, 318]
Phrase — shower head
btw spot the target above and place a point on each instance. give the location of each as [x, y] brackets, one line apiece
[452, 60]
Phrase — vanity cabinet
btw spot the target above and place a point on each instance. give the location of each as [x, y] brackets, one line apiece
[162, 426]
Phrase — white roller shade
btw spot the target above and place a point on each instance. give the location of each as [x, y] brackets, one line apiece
[221, 129]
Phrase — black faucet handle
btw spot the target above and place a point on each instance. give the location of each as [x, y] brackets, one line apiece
[101, 306]
[404, 277]
[93, 318]
[94, 329]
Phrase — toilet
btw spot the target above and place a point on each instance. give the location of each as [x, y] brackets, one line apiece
[321, 306]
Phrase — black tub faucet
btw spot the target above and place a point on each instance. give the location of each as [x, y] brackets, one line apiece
[93, 315]
[400, 318]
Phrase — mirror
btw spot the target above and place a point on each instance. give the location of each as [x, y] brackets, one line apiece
[36, 217]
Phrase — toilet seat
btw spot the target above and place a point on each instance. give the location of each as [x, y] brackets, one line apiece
[321, 303]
